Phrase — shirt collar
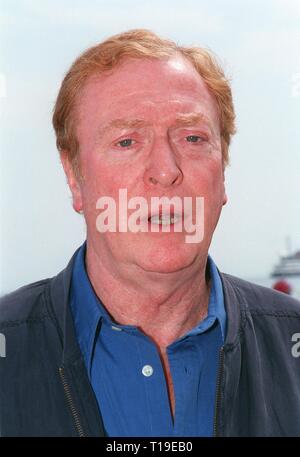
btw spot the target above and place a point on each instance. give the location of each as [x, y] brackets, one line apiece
[216, 308]
[88, 310]
[85, 306]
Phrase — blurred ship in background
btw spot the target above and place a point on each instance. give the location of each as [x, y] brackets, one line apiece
[288, 265]
[287, 272]
[285, 275]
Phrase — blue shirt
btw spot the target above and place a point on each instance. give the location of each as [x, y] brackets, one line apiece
[126, 372]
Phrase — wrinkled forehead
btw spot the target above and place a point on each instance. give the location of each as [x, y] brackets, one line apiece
[147, 87]
[149, 71]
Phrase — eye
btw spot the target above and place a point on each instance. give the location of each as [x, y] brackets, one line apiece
[126, 143]
[194, 139]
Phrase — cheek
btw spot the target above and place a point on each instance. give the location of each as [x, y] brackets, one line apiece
[100, 178]
[206, 179]
[105, 179]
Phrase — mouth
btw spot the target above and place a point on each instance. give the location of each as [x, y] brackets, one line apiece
[164, 219]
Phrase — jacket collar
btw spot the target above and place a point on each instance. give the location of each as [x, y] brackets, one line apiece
[60, 287]
[236, 310]
[88, 420]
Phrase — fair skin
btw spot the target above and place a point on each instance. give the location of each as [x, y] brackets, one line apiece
[151, 127]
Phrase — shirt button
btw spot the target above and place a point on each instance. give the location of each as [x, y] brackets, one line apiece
[147, 370]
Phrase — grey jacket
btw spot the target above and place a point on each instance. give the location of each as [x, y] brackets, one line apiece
[45, 390]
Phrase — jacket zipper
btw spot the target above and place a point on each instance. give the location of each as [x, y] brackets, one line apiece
[218, 391]
[70, 402]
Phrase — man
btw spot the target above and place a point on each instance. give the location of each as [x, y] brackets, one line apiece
[141, 335]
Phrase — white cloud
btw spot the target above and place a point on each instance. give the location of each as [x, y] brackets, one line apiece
[295, 92]
[7, 19]
[289, 7]
[3, 91]
[181, 16]
[269, 51]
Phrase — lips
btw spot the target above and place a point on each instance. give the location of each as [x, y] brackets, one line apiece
[164, 219]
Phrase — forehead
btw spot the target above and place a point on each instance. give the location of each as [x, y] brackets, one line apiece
[146, 87]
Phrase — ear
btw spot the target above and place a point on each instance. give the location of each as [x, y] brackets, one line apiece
[73, 181]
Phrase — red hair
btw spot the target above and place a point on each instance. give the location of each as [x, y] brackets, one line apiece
[137, 44]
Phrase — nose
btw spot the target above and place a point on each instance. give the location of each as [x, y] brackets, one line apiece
[163, 169]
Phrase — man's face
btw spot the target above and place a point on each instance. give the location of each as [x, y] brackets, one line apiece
[150, 127]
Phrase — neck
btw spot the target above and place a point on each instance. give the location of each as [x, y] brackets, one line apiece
[163, 306]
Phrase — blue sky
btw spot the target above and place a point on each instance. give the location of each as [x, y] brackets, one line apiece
[258, 43]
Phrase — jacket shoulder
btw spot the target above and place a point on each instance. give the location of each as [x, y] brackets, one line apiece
[24, 304]
[260, 299]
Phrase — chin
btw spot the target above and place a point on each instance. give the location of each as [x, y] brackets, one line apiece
[166, 259]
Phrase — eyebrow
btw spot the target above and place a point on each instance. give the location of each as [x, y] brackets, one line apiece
[122, 124]
[127, 123]
[190, 119]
